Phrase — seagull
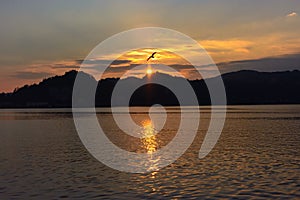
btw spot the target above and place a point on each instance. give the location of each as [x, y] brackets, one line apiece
[152, 56]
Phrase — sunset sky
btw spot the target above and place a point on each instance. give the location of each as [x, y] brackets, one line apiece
[40, 39]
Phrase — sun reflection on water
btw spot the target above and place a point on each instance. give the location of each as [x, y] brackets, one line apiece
[150, 144]
[150, 140]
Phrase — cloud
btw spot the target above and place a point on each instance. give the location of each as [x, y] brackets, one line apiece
[227, 49]
[234, 45]
[103, 62]
[182, 66]
[31, 75]
[268, 64]
[287, 62]
[61, 66]
[292, 14]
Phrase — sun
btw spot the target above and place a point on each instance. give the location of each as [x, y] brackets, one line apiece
[149, 71]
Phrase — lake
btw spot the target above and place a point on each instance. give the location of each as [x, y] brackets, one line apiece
[257, 156]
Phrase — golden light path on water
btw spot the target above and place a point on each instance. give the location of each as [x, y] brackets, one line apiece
[150, 143]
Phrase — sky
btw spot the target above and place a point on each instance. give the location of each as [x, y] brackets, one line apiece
[40, 39]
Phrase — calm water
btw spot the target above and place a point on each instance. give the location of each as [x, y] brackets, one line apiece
[257, 156]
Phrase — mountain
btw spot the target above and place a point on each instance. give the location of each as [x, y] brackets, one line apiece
[242, 87]
[252, 87]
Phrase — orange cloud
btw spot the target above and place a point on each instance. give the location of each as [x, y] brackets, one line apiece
[292, 14]
[226, 45]
[225, 50]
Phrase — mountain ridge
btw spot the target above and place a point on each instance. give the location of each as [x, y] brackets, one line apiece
[242, 87]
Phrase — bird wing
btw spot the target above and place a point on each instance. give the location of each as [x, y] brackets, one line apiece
[152, 56]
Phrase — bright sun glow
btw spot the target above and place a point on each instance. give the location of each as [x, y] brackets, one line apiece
[149, 71]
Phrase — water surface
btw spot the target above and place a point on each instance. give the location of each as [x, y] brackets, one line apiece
[257, 156]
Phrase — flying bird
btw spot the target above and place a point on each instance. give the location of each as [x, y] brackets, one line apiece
[152, 56]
